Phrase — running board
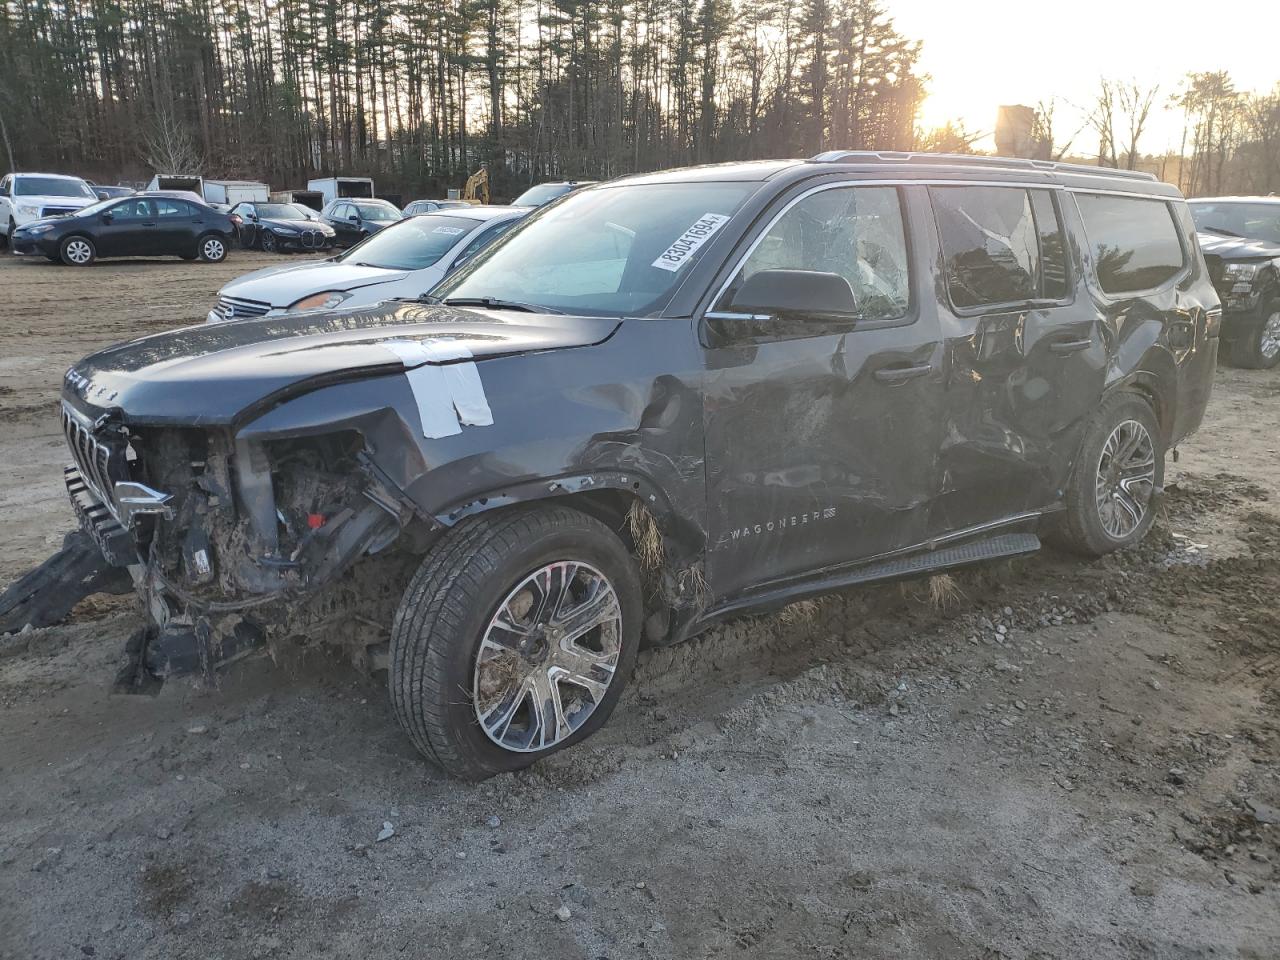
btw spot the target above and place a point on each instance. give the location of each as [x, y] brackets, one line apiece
[915, 564]
[976, 551]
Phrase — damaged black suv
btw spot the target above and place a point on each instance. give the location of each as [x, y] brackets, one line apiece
[660, 402]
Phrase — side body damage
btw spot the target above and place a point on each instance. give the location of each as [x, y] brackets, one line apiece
[283, 476]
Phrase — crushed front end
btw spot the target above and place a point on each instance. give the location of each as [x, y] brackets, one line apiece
[229, 541]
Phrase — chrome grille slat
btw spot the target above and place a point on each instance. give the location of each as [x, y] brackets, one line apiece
[233, 308]
[92, 458]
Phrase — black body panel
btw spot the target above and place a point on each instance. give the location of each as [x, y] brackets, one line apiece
[779, 457]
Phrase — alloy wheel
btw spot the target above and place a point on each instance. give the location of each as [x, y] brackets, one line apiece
[548, 657]
[1269, 338]
[213, 249]
[79, 252]
[268, 241]
[1125, 480]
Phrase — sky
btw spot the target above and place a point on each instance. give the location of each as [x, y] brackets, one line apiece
[983, 53]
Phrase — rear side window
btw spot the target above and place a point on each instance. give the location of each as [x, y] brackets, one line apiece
[1134, 241]
[1001, 244]
[173, 208]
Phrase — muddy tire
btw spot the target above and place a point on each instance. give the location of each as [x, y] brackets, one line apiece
[77, 251]
[7, 238]
[1258, 347]
[514, 639]
[1111, 495]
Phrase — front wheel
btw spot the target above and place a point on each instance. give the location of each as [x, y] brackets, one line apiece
[267, 241]
[77, 251]
[1258, 347]
[212, 249]
[1110, 498]
[7, 238]
[514, 639]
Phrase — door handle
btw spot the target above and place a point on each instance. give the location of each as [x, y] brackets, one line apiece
[148, 223]
[1064, 347]
[902, 372]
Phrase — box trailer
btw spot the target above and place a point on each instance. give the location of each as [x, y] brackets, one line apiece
[231, 192]
[334, 188]
[307, 198]
[177, 181]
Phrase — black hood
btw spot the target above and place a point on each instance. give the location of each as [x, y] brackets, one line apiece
[211, 373]
[1236, 248]
[298, 224]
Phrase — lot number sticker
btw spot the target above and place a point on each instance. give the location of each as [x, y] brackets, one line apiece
[676, 255]
[449, 231]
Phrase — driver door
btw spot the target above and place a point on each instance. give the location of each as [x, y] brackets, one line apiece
[822, 433]
[131, 231]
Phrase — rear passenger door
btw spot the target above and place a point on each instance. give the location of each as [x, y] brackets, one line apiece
[176, 227]
[1025, 360]
[821, 432]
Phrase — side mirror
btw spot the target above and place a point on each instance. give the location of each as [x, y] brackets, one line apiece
[103, 195]
[354, 218]
[809, 294]
[107, 216]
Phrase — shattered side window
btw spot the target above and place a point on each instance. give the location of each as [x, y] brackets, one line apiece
[989, 241]
[854, 232]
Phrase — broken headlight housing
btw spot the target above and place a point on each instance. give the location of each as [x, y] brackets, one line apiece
[321, 301]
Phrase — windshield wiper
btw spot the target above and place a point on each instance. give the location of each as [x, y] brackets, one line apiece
[1225, 233]
[493, 303]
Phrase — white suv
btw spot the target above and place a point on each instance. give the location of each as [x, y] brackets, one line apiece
[32, 196]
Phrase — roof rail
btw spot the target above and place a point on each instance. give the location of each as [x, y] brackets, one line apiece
[974, 160]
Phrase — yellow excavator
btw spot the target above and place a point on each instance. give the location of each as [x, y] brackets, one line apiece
[477, 188]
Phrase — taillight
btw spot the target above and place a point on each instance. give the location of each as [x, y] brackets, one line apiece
[1212, 322]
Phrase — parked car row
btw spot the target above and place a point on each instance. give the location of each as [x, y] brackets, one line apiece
[332, 212]
[655, 404]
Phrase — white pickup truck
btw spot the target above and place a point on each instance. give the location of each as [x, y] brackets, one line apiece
[33, 196]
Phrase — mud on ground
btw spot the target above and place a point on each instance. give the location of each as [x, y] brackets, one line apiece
[1052, 759]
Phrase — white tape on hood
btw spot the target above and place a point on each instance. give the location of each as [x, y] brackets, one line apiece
[449, 395]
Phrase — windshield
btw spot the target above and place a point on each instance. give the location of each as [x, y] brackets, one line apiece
[278, 211]
[50, 187]
[412, 244]
[1256, 221]
[303, 213]
[542, 193]
[378, 211]
[611, 251]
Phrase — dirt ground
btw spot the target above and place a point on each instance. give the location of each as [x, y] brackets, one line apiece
[1068, 760]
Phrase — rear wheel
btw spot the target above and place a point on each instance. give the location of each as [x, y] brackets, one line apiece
[212, 249]
[77, 251]
[1110, 499]
[514, 639]
[1258, 347]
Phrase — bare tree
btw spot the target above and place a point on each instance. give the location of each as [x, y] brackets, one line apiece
[1044, 133]
[951, 137]
[1103, 120]
[1135, 102]
[169, 146]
